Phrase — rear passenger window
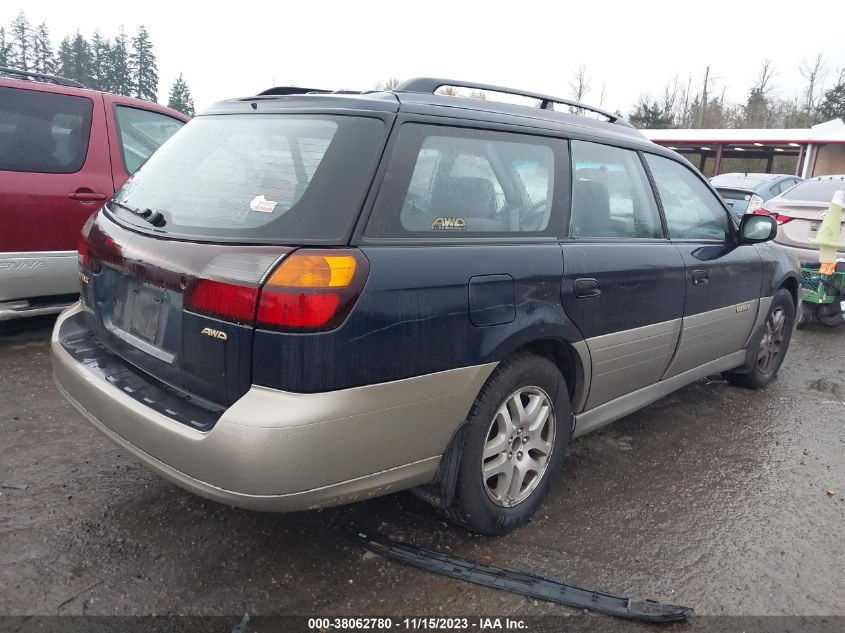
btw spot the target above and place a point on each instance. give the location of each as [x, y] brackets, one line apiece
[141, 133]
[611, 195]
[43, 132]
[692, 211]
[450, 182]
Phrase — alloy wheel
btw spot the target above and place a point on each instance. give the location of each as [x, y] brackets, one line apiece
[518, 446]
[771, 345]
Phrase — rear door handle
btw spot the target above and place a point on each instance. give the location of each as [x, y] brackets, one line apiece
[700, 277]
[587, 287]
[83, 194]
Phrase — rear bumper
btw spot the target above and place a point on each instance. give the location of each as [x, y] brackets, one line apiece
[281, 451]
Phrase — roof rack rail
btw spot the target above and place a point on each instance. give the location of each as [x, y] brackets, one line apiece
[26, 74]
[432, 84]
[292, 90]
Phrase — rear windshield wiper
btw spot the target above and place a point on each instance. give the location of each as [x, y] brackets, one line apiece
[156, 218]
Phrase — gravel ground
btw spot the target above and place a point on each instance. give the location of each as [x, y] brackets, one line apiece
[715, 497]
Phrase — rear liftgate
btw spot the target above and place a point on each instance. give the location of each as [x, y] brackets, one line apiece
[526, 584]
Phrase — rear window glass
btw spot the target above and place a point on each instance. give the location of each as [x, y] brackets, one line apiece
[744, 182]
[258, 177]
[141, 133]
[816, 190]
[453, 182]
[43, 132]
[737, 201]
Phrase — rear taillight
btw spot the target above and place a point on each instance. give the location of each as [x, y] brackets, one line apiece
[83, 252]
[230, 302]
[777, 217]
[309, 291]
[755, 201]
[312, 290]
[84, 256]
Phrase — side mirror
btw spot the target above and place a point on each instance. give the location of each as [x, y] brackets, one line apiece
[757, 228]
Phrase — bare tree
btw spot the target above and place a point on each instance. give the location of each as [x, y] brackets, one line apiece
[392, 83]
[601, 96]
[580, 84]
[704, 97]
[449, 91]
[685, 109]
[812, 72]
[757, 111]
[478, 94]
[767, 72]
[670, 98]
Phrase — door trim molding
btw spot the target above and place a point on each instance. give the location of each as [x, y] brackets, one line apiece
[622, 406]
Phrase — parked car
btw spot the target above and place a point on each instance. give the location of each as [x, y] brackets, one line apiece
[311, 299]
[745, 192]
[798, 213]
[64, 150]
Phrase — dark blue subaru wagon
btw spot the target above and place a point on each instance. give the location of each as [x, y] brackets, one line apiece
[309, 298]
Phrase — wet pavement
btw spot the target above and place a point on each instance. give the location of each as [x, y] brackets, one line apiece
[714, 497]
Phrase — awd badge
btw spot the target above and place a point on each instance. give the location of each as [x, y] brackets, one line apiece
[220, 334]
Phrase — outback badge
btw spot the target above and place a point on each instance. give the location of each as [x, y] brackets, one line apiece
[214, 333]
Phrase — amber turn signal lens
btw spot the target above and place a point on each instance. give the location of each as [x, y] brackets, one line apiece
[302, 270]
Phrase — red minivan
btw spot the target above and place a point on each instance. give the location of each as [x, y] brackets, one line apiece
[64, 150]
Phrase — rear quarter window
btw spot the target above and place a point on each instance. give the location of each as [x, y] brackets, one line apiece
[43, 132]
[447, 182]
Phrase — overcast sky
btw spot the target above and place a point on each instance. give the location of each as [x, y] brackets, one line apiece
[234, 49]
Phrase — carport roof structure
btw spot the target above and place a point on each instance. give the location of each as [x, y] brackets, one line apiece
[753, 143]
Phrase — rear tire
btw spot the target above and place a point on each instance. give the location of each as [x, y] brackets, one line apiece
[771, 344]
[514, 446]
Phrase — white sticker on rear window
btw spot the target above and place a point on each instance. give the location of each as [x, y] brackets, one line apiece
[262, 204]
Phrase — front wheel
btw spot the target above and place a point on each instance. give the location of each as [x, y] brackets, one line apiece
[518, 431]
[771, 345]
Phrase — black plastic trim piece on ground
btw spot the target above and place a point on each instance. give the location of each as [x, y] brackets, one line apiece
[526, 584]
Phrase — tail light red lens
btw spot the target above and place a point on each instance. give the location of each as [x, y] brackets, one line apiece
[312, 290]
[227, 301]
[83, 252]
[781, 219]
[84, 256]
[287, 309]
[760, 211]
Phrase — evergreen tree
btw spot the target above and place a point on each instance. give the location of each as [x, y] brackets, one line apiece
[43, 51]
[649, 115]
[142, 66]
[75, 60]
[5, 46]
[118, 75]
[833, 104]
[64, 59]
[20, 33]
[180, 97]
[100, 58]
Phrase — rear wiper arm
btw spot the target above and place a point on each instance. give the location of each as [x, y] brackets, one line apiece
[156, 218]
